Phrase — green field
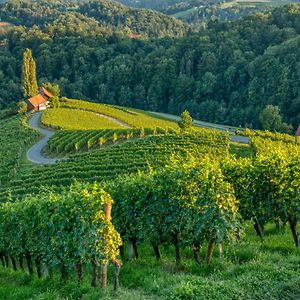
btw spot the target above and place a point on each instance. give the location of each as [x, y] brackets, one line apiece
[110, 162]
[15, 137]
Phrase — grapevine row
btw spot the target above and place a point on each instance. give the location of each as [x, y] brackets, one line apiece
[60, 231]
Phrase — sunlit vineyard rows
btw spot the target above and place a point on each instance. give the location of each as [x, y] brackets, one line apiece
[168, 188]
[67, 141]
[15, 136]
[131, 117]
[110, 162]
[76, 120]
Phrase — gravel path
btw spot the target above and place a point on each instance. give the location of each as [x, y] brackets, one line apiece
[35, 154]
[116, 121]
[233, 137]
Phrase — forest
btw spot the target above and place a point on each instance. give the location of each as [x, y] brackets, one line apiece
[228, 73]
[199, 12]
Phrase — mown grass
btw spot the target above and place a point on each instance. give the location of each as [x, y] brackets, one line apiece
[75, 119]
[249, 270]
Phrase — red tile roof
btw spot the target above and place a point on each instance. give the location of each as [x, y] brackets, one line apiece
[37, 100]
[46, 92]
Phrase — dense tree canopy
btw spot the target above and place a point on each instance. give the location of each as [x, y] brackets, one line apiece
[228, 73]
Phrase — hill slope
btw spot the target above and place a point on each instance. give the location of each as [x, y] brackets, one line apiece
[202, 11]
[105, 14]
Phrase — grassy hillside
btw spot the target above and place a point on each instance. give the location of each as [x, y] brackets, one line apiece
[199, 11]
[110, 162]
[227, 74]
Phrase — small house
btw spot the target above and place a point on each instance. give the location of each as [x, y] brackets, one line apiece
[40, 101]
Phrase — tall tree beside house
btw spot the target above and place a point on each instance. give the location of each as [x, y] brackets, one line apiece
[29, 82]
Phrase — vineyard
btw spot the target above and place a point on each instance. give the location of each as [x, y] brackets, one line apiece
[132, 117]
[77, 120]
[110, 162]
[14, 137]
[68, 141]
[181, 204]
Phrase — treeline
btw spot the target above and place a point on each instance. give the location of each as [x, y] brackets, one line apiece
[200, 12]
[228, 73]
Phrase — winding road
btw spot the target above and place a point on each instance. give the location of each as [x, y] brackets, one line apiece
[35, 153]
[231, 130]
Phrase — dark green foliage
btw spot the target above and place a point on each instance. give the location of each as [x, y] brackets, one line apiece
[271, 119]
[78, 17]
[229, 73]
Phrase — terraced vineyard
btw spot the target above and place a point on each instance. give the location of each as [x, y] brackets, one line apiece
[65, 141]
[110, 162]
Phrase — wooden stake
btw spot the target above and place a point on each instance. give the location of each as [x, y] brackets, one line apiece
[107, 210]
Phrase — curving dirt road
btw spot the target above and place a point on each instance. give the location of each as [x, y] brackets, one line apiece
[35, 154]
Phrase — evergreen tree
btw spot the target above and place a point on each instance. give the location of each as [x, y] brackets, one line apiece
[29, 82]
[186, 122]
